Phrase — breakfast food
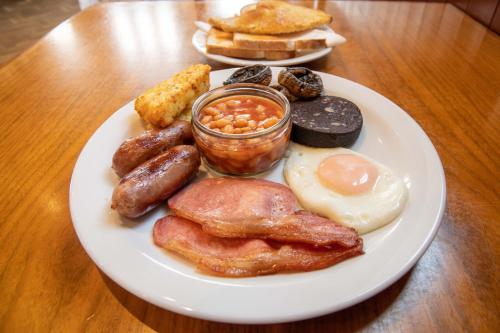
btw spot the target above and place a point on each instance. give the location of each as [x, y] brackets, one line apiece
[258, 74]
[241, 114]
[186, 114]
[306, 40]
[326, 121]
[271, 30]
[345, 186]
[160, 105]
[239, 227]
[272, 17]
[285, 92]
[155, 180]
[255, 208]
[149, 144]
[301, 82]
[242, 134]
[243, 257]
[222, 43]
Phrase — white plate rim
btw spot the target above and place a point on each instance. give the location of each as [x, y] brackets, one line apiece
[307, 313]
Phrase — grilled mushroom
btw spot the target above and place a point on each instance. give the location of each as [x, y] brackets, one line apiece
[258, 74]
[285, 92]
[301, 82]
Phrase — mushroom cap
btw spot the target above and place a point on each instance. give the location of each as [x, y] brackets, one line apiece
[301, 82]
[258, 74]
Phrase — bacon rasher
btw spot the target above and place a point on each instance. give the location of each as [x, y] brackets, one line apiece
[255, 208]
[237, 257]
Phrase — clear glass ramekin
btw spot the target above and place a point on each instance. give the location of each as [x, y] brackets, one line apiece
[247, 153]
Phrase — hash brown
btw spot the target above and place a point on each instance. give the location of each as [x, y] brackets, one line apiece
[160, 105]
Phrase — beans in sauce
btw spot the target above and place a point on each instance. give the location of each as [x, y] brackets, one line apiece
[241, 114]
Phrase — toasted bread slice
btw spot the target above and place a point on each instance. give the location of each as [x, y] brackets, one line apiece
[270, 17]
[307, 40]
[220, 42]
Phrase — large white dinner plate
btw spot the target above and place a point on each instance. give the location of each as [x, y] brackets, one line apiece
[124, 250]
[199, 42]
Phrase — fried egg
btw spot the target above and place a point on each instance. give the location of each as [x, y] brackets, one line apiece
[345, 186]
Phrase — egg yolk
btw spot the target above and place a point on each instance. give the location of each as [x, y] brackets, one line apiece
[347, 174]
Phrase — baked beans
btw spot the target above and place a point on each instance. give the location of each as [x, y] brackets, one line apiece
[241, 114]
[241, 133]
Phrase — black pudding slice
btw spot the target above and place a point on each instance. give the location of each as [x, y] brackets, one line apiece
[326, 122]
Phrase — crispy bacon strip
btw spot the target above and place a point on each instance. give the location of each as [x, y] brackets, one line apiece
[255, 208]
[235, 257]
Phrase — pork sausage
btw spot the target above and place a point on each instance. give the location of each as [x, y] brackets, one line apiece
[155, 180]
[139, 149]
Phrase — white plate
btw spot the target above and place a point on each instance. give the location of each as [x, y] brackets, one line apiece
[199, 42]
[124, 249]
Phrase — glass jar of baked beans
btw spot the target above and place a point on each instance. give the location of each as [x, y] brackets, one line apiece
[241, 129]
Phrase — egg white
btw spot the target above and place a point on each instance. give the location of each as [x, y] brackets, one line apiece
[364, 212]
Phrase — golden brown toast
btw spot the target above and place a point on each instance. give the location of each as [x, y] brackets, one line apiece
[307, 40]
[220, 42]
[272, 17]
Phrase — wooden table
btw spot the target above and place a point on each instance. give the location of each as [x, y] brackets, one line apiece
[439, 65]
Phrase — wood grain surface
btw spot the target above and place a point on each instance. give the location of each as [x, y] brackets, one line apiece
[24, 22]
[438, 64]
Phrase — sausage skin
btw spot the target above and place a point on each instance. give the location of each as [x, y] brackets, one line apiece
[139, 149]
[155, 180]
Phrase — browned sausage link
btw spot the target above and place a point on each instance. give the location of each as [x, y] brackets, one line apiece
[155, 180]
[147, 145]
